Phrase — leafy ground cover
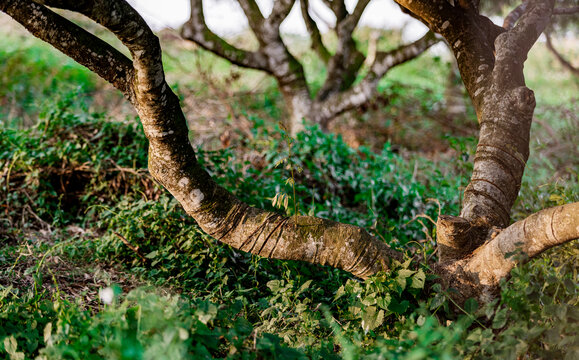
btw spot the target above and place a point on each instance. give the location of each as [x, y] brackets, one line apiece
[98, 261]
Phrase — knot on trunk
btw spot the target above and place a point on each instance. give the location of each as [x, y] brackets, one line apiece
[457, 237]
[523, 99]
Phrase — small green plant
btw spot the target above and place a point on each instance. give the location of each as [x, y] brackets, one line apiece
[281, 199]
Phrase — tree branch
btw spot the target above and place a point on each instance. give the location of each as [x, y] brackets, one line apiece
[280, 11]
[530, 237]
[344, 65]
[434, 13]
[195, 29]
[254, 16]
[366, 89]
[73, 41]
[506, 116]
[354, 18]
[512, 18]
[566, 11]
[470, 36]
[172, 162]
[316, 38]
[566, 64]
[338, 7]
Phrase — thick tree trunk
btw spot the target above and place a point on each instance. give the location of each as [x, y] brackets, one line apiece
[298, 104]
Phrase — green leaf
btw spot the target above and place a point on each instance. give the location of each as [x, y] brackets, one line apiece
[470, 306]
[274, 285]
[339, 293]
[418, 280]
[371, 318]
[399, 307]
[437, 301]
[304, 287]
[152, 254]
[11, 345]
[500, 319]
[384, 301]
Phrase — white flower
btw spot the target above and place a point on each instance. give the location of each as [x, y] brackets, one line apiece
[107, 295]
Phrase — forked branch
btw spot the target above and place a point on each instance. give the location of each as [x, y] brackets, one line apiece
[195, 29]
[367, 88]
[77, 43]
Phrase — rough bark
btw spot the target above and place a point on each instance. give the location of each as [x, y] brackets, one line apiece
[474, 248]
[337, 94]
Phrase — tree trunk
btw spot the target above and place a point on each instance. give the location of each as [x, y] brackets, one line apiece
[298, 104]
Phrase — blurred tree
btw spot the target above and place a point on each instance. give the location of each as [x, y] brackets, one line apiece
[338, 93]
[475, 247]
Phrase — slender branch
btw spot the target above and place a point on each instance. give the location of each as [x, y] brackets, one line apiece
[254, 16]
[354, 17]
[366, 89]
[316, 38]
[387, 60]
[512, 18]
[196, 30]
[566, 64]
[338, 7]
[280, 11]
[566, 11]
[73, 41]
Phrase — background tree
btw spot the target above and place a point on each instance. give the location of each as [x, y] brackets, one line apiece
[567, 12]
[338, 93]
[474, 247]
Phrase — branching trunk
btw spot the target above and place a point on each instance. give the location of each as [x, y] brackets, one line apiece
[474, 248]
[337, 94]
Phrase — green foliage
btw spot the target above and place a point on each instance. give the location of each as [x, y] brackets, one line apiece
[31, 74]
[70, 160]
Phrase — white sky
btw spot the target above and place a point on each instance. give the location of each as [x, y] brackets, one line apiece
[225, 17]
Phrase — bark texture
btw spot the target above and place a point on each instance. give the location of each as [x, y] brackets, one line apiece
[475, 247]
[337, 94]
